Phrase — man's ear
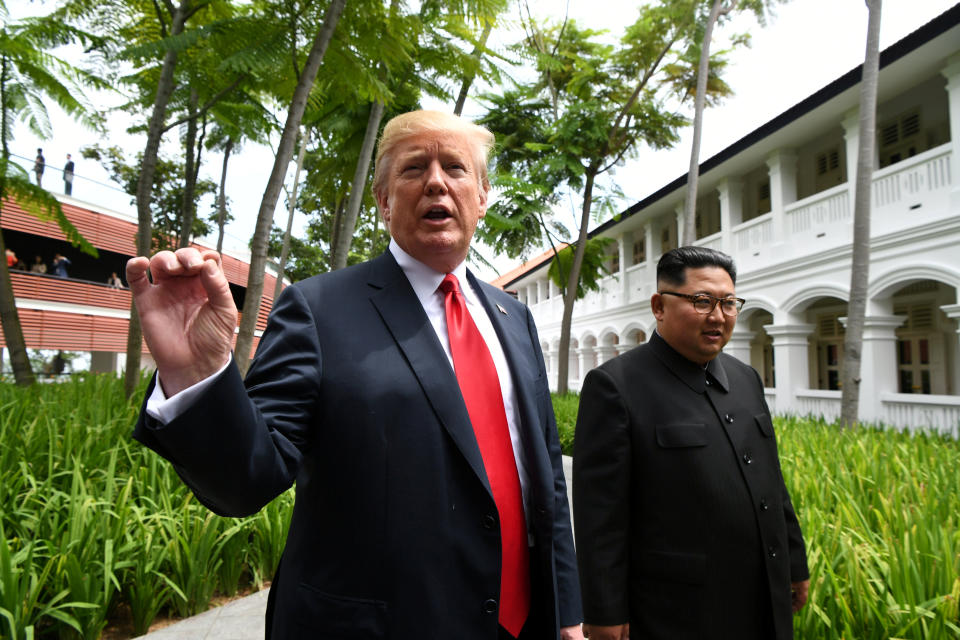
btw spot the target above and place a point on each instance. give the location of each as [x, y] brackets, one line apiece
[383, 206]
[656, 305]
[483, 201]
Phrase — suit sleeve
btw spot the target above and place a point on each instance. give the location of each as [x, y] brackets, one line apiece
[601, 500]
[240, 444]
[565, 557]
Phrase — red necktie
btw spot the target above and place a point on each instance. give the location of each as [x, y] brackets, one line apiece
[480, 387]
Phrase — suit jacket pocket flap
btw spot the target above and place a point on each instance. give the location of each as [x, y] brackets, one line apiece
[341, 616]
[681, 435]
[765, 424]
[671, 566]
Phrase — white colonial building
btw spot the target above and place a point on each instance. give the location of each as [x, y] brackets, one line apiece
[780, 201]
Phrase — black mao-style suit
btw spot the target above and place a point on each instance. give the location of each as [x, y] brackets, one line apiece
[684, 525]
[393, 533]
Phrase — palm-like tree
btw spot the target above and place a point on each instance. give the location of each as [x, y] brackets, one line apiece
[30, 75]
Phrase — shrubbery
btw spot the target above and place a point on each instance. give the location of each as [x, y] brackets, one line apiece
[91, 523]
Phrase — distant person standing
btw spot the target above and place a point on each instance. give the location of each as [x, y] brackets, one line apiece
[11, 257]
[60, 264]
[115, 281]
[38, 165]
[38, 266]
[68, 176]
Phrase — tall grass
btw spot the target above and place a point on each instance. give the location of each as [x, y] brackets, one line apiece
[91, 521]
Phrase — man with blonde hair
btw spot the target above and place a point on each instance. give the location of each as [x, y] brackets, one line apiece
[407, 400]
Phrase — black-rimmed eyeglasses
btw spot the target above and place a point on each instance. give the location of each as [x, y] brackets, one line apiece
[704, 303]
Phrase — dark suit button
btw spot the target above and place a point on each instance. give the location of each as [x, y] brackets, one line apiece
[772, 551]
[728, 418]
[708, 383]
[490, 606]
[489, 522]
[747, 458]
[763, 504]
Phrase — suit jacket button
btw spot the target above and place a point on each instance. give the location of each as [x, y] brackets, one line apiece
[772, 551]
[728, 418]
[489, 522]
[747, 458]
[763, 504]
[490, 606]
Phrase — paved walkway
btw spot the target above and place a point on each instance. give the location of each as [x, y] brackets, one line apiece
[242, 619]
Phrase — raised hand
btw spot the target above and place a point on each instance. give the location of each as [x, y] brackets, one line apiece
[187, 314]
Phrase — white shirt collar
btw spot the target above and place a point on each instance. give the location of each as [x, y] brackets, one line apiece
[425, 281]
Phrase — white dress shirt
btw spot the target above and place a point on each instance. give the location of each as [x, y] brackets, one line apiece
[426, 285]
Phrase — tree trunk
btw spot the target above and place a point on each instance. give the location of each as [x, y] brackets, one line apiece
[258, 257]
[860, 267]
[468, 79]
[148, 167]
[188, 206]
[222, 198]
[570, 295]
[285, 249]
[348, 222]
[9, 318]
[689, 231]
[12, 331]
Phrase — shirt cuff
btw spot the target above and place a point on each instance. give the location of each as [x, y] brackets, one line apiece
[165, 410]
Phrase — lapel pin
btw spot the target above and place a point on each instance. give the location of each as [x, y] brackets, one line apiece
[502, 310]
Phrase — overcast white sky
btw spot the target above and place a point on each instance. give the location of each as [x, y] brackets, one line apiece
[805, 45]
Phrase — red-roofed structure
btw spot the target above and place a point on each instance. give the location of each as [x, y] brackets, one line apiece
[82, 312]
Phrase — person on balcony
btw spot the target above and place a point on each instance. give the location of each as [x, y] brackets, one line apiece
[68, 176]
[115, 281]
[39, 163]
[60, 264]
[38, 266]
[684, 525]
[11, 258]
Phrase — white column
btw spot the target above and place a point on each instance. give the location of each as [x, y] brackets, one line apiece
[783, 189]
[878, 363]
[554, 356]
[678, 224]
[626, 253]
[731, 210]
[739, 344]
[952, 311]
[790, 343]
[851, 136]
[952, 73]
[606, 352]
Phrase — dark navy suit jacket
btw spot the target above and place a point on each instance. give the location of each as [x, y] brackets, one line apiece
[352, 397]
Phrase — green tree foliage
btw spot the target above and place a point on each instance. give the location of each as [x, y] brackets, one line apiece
[593, 268]
[166, 197]
[30, 75]
[590, 106]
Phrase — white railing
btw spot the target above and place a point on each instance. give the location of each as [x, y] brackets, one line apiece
[824, 208]
[924, 173]
[817, 402]
[714, 241]
[915, 411]
[754, 234]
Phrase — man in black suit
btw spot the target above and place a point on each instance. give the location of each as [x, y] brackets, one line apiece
[685, 529]
[359, 394]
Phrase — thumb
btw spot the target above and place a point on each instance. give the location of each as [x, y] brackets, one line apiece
[215, 284]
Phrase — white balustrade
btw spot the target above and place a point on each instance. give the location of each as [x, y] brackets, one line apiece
[754, 234]
[901, 182]
[914, 411]
[825, 208]
[816, 402]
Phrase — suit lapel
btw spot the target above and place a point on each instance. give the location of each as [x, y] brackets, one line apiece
[401, 312]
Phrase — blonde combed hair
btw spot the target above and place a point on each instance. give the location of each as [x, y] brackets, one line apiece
[414, 123]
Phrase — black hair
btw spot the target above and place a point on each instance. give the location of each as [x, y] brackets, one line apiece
[673, 265]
